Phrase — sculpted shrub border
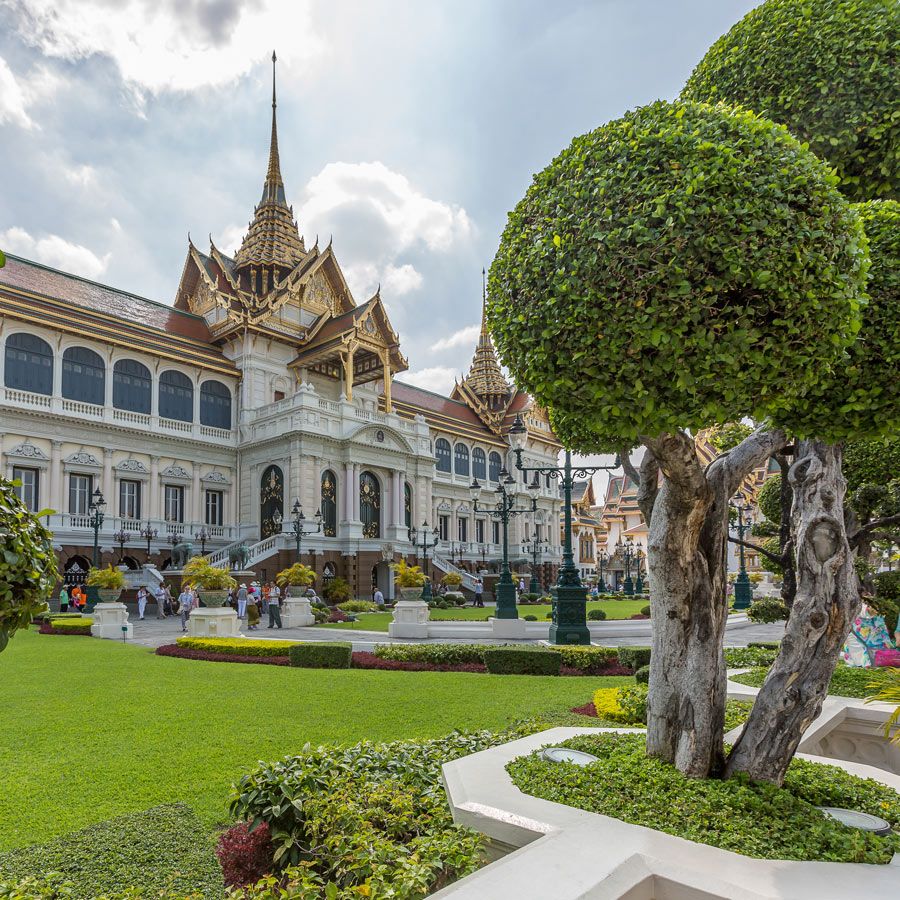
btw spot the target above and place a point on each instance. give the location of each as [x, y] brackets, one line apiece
[237, 646]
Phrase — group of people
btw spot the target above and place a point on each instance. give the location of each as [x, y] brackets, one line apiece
[77, 598]
[165, 604]
[253, 602]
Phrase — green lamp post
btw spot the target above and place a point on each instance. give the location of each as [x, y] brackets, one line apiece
[627, 551]
[602, 559]
[429, 540]
[569, 596]
[504, 510]
[97, 510]
[743, 589]
[638, 581]
[298, 526]
[533, 547]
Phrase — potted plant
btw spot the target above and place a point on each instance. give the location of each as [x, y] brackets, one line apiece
[295, 579]
[452, 581]
[409, 580]
[211, 584]
[109, 583]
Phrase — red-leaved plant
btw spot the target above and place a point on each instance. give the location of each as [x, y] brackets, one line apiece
[245, 856]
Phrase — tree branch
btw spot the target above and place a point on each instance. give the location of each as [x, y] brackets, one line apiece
[751, 452]
[648, 487]
[892, 536]
[629, 467]
[775, 557]
[865, 532]
[676, 457]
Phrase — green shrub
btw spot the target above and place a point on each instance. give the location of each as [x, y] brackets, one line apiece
[164, 848]
[596, 615]
[549, 615]
[755, 819]
[237, 646]
[887, 585]
[108, 579]
[321, 655]
[645, 610]
[634, 657]
[337, 590]
[438, 654]
[767, 610]
[522, 661]
[886, 606]
[846, 681]
[586, 657]
[320, 615]
[530, 618]
[742, 657]
[357, 606]
[765, 645]
[642, 676]
[71, 626]
[632, 701]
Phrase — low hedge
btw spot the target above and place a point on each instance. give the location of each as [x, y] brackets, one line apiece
[596, 615]
[237, 646]
[845, 682]
[742, 657]
[765, 645]
[634, 657]
[165, 851]
[767, 610]
[80, 626]
[759, 820]
[321, 655]
[208, 656]
[522, 661]
[642, 676]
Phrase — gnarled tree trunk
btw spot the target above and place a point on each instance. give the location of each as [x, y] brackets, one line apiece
[825, 603]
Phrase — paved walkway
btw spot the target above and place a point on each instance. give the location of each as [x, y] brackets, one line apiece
[153, 632]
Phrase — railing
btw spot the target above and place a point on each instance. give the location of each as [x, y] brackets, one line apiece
[223, 434]
[26, 398]
[445, 566]
[175, 425]
[76, 407]
[134, 418]
[330, 405]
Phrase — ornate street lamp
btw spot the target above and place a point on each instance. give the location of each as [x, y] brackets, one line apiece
[639, 581]
[97, 509]
[203, 536]
[569, 622]
[299, 525]
[743, 589]
[627, 551]
[602, 560]
[424, 539]
[504, 510]
[533, 547]
[484, 556]
[122, 537]
[148, 534]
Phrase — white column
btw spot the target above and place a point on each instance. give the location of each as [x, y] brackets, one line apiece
[197, 402]
[397, 502]
[354, 494]
[55, 502]
[196, 500]
[112, 503]
[108, 388]
[153, 500]
[348, 491]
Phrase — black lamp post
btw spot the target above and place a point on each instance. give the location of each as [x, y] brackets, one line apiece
[203, 536]
[602, 559]
[122, 537]
[627, 551]
[97, 509]
[638, 581]
[533, 547]
[504, 511]
[484, 556]
[569, 622]
[424, 539]
[148, 534]
[743, 589]
[298, 525]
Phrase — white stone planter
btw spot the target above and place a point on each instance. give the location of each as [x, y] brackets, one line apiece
[212, 599]
[296, 612]
[109, 595]
[296, 591]
[109, 619]
[214, 621]
[410, 618]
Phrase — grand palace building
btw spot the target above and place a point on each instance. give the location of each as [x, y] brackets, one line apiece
[265, 385]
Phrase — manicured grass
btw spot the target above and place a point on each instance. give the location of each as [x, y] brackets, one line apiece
[94, 729]
[845, 682]
[614, 609]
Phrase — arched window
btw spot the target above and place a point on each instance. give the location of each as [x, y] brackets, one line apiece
[176, 396]
[495, 464]
[83, 376]
[131, 386]
[461, 459]
[442, 455]
[329, 504]
[479, 464]
[370, 505]
[29, 364]
[215, 405]
[407, 504]
[271, 501]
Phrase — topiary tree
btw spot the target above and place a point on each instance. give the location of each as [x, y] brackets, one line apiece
[828, 70]
[27, 563]
[666, 272]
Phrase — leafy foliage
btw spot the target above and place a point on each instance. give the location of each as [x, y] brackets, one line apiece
[200, 573]
[798, 62]
[163, 849]
[683, 265]
[768, 498]
[759, 820]
[337, 590]
[773, 545]
[871, 462]
[634, 657]
[321, 655]
[297, 575]
[245, 856]
[518, 660]
[406, 575]
[236, 646]
[67, 626]
[767, 609]
[726, 437]
[889, 692]
[27, 564]
[741, 657]
[108, 579]
[845, 682]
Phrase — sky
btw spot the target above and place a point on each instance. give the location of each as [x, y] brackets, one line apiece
[407, 131]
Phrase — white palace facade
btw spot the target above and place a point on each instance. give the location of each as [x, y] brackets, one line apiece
[265, 384]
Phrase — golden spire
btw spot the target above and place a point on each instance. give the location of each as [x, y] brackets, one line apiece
[485, 377]
[273, 237]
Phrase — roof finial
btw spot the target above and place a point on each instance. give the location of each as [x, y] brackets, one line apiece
[483, 301]
[274, 60]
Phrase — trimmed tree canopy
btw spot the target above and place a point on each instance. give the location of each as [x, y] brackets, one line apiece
[827, 69]
[681, 266]
[871, 463]
[860, 399]
[769, 498]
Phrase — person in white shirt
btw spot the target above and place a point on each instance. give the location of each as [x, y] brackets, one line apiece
[185, 604]
[141, 602]
[242, 601]
[160, 602]
[378, 598]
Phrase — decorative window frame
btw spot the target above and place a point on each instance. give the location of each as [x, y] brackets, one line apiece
[29, 454]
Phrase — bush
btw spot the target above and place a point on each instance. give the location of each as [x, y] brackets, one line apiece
[846, 681]
[321, 655]
[765, 645]
[337, 590]
[767, 610]
[522, 661]
[236, 646]
[645, 611]
[596, 615]
[201, 574]
[887, 608]
[320, 615]
[210, 656]
[67, 626]
[530, 618]
[163, 848]
[108, 579]
[297, 575]
[624, 705]
[365, 660]
[586, 657]
[436, 654]
[634, 657]
[759, 820]
[358, 606]
[642, 676]
[741, 657]
[244, 855]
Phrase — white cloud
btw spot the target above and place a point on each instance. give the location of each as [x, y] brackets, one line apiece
[465, 337]
[162, 45]
[52, 250]
[439, 379]
[82, 176]
[229, 239]
[12, 98]
[399, 280]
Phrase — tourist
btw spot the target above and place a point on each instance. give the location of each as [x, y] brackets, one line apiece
[521, 586]
[274, 595]
[253, 611]
[78, 598]
[479, 593]
[378, 598]
[274, 611]
[160, 602]
[141, 602]
[242, 601]
[63, 600]
[185, 604]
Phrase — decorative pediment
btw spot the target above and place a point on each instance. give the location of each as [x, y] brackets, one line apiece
[215, 478]
[444, 506]
[174, 471]
[463, 508]
[135, 466]
[27, 450]
[381, 437]
[82, 458]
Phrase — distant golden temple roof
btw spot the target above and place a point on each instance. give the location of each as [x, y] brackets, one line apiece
[485, 378]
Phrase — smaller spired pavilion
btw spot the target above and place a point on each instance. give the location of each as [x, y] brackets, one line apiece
[276, 290]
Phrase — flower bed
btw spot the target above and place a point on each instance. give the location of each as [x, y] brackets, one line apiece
[758, 820]
[80, 626]
[210, 656]
[237, 646]
[845, 682]
[364, 660]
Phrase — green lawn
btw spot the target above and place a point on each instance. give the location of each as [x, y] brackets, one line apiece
[93, 729]
[614, 609]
